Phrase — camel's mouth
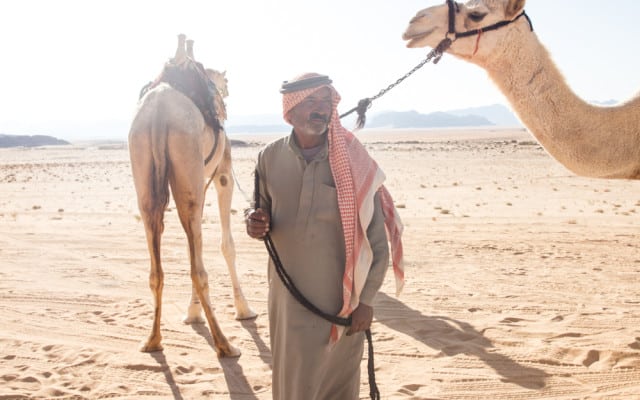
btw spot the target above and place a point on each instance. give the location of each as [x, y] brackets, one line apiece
[416, 39]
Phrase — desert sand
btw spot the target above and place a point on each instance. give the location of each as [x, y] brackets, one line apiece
[521, 278]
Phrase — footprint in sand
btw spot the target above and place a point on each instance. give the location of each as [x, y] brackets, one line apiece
[410, 389]
[592, 357]
[511, 320]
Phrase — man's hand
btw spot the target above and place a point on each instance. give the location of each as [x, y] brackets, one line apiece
[360, 319]
[257, 223]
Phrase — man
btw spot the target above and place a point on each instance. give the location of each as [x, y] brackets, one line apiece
[322, 202]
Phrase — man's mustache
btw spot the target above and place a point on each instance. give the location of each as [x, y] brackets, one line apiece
[315, 115]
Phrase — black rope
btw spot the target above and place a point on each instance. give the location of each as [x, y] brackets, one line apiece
[435, 55]
[364, 104]
[374, 393]
[361, 109]
[288, 283]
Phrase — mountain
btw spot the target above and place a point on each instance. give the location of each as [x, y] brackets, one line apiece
[29, 141]
[492, 115]
[606, 103]
[414, 119]
[258, 123]
[256, 128]
[496, 113]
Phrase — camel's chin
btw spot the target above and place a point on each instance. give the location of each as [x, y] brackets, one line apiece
[417, 40]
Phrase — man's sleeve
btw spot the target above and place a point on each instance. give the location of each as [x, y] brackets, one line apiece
[378, 240]
[260, 194]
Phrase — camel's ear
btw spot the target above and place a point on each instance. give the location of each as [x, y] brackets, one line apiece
[514, 7]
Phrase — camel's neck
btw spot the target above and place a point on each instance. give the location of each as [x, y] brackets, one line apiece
[587, 139]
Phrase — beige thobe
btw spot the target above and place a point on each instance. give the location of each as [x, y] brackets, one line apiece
[307, 233]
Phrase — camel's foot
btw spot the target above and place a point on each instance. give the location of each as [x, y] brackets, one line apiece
[194, 314]
[193, 320]
[245, 314]
[153, 343]
[149, 347]
[243, 311]
[228, 351]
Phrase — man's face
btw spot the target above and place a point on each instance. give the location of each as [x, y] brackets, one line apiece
[311, 117]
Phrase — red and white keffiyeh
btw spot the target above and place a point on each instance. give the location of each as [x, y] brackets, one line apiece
[357, 178]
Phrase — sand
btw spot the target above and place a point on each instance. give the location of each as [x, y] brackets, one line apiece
[522, 279]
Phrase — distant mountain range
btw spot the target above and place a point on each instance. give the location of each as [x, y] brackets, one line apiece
[496, 115]
[414, 119]
[29, 141]
[493, 115]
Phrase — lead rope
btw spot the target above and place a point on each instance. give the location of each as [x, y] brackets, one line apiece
[361, 109]
[364, 104]
[374, 393]
[435, 54]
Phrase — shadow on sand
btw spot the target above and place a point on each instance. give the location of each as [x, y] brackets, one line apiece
[162, 360]
[453, 337]
[264, 350]
[239, 387]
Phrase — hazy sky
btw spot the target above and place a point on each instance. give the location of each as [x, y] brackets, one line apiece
[84, 62]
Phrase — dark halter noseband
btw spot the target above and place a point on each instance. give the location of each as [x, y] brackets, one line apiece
[455, 8]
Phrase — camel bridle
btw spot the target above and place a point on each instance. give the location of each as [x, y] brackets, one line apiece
[434, 55]
[454, 8]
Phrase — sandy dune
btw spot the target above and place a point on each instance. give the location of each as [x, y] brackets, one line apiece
[522, 279]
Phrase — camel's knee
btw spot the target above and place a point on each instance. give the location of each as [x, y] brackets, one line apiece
[223, 180]
[227, 245]
[156, 281]
[152, 214]
[200, 279]
[190, 213]
[190, 205]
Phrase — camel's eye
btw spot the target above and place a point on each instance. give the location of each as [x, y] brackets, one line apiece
[477, 16]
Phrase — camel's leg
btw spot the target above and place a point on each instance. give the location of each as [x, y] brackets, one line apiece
[153, 222]
[188, 193]
[223, 181]
[151, 205]
[194, 310]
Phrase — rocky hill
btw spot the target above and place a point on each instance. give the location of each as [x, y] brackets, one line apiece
[414, 119]
[29, 141]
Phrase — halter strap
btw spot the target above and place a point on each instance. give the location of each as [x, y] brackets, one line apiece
[454, 8]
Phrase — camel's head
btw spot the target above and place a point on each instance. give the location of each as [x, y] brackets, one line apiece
[220, 80]
[432, 25]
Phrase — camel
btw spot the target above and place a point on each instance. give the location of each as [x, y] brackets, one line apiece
[170, 146]
[589, 140]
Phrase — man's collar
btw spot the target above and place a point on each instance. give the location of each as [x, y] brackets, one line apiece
[292, 141]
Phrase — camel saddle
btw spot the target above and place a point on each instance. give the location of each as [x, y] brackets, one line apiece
[190, 78]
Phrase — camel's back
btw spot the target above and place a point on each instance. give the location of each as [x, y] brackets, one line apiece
[170, 126]
[166, 109]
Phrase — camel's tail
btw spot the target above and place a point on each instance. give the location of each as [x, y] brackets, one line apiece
[160, 166]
